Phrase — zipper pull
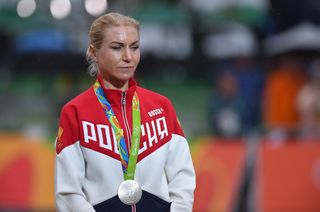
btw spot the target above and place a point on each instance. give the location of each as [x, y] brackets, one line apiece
[123, 101]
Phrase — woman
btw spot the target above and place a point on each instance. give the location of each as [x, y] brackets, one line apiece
[120, 147]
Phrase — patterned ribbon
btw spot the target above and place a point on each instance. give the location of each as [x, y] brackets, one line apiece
[128, 162]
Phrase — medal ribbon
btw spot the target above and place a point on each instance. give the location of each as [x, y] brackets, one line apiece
[128, 162]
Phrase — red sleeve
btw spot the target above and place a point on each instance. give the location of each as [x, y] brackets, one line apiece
[68, 131]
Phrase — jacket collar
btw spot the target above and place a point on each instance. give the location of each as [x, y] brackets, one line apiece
[114, 96]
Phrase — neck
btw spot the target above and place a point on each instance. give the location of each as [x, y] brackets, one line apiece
[123, 86]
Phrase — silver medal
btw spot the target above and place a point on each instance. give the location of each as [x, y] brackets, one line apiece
[129, 192]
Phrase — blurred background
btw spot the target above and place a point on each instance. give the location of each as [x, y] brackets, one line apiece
[244, 77]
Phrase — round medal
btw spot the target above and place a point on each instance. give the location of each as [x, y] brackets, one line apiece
[129, 192]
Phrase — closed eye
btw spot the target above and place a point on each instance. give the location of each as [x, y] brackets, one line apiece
[116, 47]
[135, 47]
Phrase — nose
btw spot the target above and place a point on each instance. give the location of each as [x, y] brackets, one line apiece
[127, 56]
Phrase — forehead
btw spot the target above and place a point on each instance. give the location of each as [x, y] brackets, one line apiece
[121, 34]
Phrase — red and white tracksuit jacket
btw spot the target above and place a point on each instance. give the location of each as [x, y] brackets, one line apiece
[88, 170]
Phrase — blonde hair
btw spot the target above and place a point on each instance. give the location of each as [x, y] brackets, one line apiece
[96, 33]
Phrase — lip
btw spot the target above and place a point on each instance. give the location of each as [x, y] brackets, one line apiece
[126, 67]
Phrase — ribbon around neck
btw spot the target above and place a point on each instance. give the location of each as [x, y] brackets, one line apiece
[128, 161]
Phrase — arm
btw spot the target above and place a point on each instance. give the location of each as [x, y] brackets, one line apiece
[180, 175]
[69, 166]
[179, 168]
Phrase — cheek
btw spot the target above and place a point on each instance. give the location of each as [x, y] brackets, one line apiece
[108, 59]
[137, 57]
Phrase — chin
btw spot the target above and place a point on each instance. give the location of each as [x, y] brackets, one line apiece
[125, 76]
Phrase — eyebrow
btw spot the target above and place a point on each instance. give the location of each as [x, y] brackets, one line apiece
[121, 43]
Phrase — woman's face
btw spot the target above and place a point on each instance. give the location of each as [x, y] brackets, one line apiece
[119, 55]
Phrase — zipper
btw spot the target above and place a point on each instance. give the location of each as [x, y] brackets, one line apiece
[125, 119]
[127, 128]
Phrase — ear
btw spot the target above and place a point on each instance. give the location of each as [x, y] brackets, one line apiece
[93, 53]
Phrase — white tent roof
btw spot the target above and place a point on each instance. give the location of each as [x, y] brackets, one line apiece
[304, 36]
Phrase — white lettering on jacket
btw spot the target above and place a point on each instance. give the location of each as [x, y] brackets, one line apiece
[155, 112]
[104, 136]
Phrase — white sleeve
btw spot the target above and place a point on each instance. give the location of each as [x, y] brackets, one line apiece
[69, 174]
[180, 175]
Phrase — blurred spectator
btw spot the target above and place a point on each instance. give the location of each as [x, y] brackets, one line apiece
[292, 50]
[282, 85]
[308, 103]
[251, 83]
[235, 46]
[226, 107]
